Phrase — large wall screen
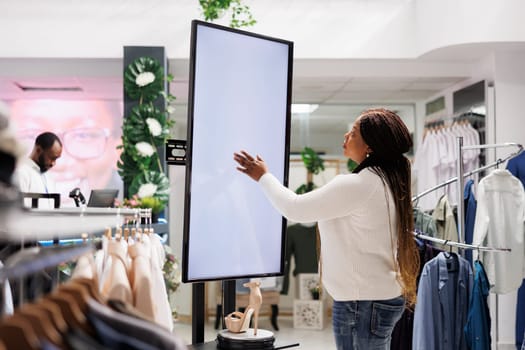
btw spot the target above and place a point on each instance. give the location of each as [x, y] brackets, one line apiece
[240, 95]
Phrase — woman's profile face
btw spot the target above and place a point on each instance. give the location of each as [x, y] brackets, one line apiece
[354, 147]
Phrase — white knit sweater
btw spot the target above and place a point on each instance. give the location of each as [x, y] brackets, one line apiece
[357, 241]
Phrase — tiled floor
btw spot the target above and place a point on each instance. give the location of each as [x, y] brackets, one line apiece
[308, 339]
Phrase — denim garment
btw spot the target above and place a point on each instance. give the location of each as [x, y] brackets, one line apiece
[364, 324]
[470, 205]
[442, 305]
[516, 166]
[477, 329]
[520, 316]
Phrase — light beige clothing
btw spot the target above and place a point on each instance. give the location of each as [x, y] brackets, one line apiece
[158, 257]
[141, 280]
[85, 267]
[117, 285]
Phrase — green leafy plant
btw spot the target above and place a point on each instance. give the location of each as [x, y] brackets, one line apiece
[155, 204]
[144, 131]
[240, 14]
[144, 79]
[314, 165]
[315, 291]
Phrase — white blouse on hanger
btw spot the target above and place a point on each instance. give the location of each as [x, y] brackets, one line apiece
[163, 314]
[500, 218]
[436, 162]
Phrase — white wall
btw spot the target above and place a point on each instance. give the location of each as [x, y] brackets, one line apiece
[509, 87]
[423, 26]
[509, 84]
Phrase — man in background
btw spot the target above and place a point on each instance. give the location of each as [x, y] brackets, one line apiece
[90, 132]
[32, 175]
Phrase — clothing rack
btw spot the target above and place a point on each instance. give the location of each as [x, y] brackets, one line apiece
[471, 117]
[475, 171]
[420, 235]
[27, 261]
[30, 260]
[20, 224]
[460, 181]
[460, 177]
[460, 212]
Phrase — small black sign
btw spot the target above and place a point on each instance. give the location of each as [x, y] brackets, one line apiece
[176, 152]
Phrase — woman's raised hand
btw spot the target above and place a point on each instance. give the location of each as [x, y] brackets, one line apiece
[253, 167]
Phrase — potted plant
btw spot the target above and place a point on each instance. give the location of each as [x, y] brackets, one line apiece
[315, 291]
[314, 165]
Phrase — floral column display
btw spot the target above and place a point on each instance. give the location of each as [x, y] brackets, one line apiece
[145, 131]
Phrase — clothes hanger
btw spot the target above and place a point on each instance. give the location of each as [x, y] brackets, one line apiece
[451, 259]
[107, 233]
[91, 287]
[79, 293]
[53, 313]
[41, 324]
[70, 311]
[17, 333]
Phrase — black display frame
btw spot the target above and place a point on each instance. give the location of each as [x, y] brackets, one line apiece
[189, 152]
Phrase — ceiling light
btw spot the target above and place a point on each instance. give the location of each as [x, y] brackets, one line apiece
[303, 108]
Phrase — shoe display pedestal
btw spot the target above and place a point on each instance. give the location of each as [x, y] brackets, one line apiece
[245, 340]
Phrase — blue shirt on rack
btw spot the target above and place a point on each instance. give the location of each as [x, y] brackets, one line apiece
[516, 166]
[470, 216]
[442, 305]
[477, 329]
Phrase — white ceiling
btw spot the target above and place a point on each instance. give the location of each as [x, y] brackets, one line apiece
[64, 43]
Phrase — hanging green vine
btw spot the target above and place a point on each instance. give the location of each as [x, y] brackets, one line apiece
[240, 14]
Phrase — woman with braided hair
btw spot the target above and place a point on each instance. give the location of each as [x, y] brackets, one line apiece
[369, 258]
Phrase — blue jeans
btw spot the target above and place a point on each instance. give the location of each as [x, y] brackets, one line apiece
[364, 324]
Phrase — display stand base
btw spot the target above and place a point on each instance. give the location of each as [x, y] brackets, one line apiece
[245, 340]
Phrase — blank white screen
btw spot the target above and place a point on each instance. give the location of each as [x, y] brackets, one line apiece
[240, 102]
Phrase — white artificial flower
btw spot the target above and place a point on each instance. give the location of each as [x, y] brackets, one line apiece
[145, 149]
[154, 126]
[170, 109]
[147, 190]
[144, 79]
